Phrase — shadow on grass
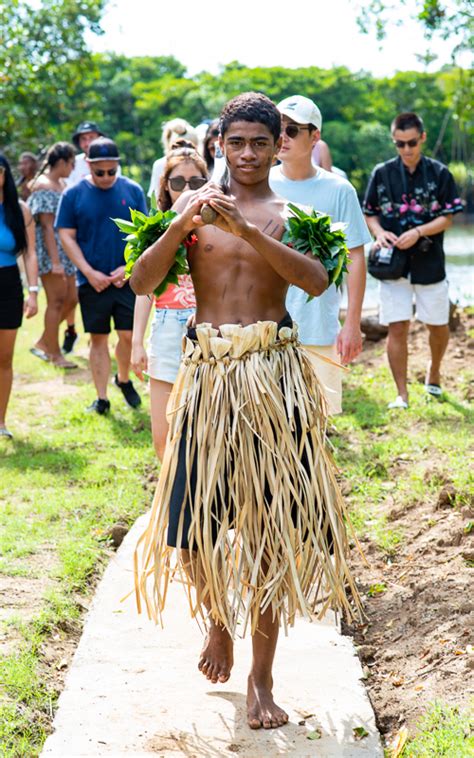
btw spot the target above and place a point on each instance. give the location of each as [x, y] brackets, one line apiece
[26, 456]
[364, 409]
[467, 413]
[133, 429]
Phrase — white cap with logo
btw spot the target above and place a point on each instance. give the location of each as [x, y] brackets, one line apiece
[302, 110]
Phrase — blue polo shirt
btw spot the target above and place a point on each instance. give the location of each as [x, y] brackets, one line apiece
[90, 211]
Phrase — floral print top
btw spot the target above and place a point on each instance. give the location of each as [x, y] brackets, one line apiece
[47, 201]
[403, 201]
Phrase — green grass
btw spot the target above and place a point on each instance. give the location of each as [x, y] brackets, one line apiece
[444, 732]
[65, 479]
[401, 456]
[68, 476]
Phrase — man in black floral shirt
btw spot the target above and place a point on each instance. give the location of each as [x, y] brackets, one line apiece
[409, 203]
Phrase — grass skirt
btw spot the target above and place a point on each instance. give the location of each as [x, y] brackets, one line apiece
[266, 527]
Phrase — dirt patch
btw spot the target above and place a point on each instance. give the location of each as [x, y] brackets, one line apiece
[416, 646]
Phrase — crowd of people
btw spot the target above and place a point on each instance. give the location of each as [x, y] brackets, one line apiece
[243, 366]
[71, 198]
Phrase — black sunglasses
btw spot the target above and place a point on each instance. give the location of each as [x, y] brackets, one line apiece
[178, 183]
[103, 172]
[400, 143]
[292, 130]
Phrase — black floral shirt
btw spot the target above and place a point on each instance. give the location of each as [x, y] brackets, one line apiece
[410, 200]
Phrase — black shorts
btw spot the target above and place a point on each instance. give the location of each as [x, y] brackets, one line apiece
[97, 308]
[11, 298]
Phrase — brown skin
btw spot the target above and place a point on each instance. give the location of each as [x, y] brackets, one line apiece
[241, 273]
[240, 270]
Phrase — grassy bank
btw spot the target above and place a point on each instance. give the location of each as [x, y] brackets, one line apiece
[65, 480]
[69, 477]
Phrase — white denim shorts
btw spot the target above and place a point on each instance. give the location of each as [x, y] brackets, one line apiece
[396, 302]
[164, 344]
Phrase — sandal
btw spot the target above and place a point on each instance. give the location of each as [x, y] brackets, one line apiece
[64, 364]
[398, 403]
[434, 390]
[40, 354]
[5, 433]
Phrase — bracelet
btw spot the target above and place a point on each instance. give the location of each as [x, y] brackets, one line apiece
[33, 288]
[419, 233]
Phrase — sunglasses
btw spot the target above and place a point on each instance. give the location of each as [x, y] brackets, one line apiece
[178, 183]
[400, 143]
[103, 172]
[292, 130]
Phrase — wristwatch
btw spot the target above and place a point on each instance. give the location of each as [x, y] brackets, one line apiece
[33, 288]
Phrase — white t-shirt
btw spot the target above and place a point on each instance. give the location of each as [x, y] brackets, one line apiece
[156, 171]
[318, 320]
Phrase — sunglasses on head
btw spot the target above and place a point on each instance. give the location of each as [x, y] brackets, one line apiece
[103, 171]
[400, 143]
[178, 183]
[292, 130]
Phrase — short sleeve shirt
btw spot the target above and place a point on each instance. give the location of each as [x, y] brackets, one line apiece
[90, 211]
[318, 319]
[411, 200]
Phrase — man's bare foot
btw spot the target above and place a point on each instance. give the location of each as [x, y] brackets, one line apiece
[261, 708]
[217, 656]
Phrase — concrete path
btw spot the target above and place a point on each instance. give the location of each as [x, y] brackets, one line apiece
[134, 689]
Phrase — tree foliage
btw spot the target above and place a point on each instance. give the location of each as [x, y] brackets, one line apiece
[49, 82]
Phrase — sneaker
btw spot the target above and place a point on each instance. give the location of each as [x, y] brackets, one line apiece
[100, 406]
[70, 339]
[398, 403]
[132, 398]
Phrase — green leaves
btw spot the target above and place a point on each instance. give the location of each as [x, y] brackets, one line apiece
[142, 231]
[314, 233]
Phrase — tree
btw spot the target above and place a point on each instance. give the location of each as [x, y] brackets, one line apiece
[43, 56]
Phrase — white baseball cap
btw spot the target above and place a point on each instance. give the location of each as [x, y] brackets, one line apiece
[302, 110]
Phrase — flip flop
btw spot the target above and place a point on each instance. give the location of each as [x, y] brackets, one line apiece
[5, 433]
[40, 354]
[67, 365]
[434, 390]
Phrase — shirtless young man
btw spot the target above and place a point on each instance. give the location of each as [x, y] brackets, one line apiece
[241, 272]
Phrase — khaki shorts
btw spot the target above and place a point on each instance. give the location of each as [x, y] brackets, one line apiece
[329, 376]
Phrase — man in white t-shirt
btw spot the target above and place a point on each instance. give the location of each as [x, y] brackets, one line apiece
[299, 181]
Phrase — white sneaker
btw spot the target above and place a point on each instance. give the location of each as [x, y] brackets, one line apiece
[399, 402]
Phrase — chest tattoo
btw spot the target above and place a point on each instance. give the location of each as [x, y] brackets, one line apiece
[272, 228]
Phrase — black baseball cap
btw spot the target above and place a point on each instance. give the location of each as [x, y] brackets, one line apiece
[103, 149]
[83, 128]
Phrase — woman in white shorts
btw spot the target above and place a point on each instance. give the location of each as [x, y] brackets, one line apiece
[184, 170]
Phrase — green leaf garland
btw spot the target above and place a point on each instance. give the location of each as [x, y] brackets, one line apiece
[313, 232]
[142, 231]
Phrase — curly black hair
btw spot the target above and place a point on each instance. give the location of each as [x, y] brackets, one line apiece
[254, 107]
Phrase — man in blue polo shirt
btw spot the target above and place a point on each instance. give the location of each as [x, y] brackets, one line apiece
[95, 246]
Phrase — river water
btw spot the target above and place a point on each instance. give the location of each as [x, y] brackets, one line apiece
[459, 249]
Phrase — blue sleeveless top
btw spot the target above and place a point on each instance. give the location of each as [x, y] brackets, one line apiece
[7, 242]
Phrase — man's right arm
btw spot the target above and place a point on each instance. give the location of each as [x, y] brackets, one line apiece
[153, 265]
[382, 237]
[96, 279]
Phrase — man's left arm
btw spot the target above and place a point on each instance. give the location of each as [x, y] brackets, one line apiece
[349, 339]
[411, 236]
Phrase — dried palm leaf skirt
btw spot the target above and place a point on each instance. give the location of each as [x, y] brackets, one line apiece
[247, 484]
